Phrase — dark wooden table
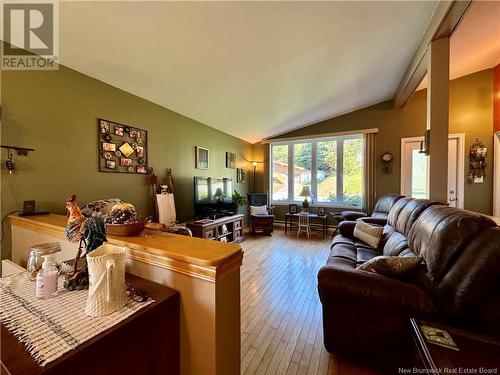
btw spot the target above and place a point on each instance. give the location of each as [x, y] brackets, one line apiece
[323, 221]
[476, 352]
[145, 343]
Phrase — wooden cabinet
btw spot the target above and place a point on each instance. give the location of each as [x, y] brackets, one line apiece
[225, 229]
[146, 342]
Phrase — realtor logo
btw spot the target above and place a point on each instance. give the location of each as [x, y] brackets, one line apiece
[30, 35]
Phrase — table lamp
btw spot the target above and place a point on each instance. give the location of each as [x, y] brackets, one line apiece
[219, 194]
[306, 192]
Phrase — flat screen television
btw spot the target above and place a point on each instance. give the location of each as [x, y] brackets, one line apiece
[213, 197]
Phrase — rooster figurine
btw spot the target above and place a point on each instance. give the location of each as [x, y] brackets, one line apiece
[73, 231]
[91, 232]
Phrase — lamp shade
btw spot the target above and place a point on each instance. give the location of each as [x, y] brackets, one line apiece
[306, 191]
[218, 193]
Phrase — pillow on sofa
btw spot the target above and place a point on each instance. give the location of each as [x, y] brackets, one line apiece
[369, 233]
[391, 266]
[258, 210]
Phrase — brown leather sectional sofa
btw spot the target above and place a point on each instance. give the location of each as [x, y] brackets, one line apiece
[458, 282]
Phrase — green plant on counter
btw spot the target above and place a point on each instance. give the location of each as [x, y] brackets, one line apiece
[239, 200]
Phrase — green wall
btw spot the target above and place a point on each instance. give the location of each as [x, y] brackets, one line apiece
[471, 112]
[55, 112]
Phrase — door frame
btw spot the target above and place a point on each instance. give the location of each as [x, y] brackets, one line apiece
[405, 164]
[496, 174]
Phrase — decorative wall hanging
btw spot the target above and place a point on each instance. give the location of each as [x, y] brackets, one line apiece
[201, 157]
[387, 160]
[477, 162]
[240, 175]
[9, 162]
[230, 160]
[122, 148]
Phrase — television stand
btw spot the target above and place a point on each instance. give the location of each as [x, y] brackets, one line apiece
[224, 229]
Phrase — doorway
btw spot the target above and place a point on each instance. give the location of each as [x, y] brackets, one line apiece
[415, 169]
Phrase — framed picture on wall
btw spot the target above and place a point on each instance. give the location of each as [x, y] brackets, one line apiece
[201, 157]
[118, 152]
[230, 160]
[240, 175]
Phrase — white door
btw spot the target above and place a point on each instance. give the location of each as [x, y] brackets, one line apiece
[452, 172]
[415, 169]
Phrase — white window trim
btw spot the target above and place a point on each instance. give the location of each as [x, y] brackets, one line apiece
[319, 137]
[314, 141]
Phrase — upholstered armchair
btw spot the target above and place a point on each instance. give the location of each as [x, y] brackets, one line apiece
[260, 213]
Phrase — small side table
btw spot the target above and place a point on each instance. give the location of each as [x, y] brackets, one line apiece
[318, 222]
[476, 352]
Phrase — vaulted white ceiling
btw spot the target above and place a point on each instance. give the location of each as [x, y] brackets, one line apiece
[475, 44]
[250, 69]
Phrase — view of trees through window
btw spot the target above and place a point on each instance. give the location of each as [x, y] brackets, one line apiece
[338, 173]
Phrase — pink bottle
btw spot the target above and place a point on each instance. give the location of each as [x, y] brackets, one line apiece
[46, 278]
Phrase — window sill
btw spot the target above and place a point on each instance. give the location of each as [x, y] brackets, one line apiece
[317, 205]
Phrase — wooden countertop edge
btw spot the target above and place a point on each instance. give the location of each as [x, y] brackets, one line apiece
[211, 274]
[182, 264]
[51, 229]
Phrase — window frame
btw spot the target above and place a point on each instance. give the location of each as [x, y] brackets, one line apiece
[314, 171]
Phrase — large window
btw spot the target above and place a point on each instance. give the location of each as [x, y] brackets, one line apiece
[331, 167]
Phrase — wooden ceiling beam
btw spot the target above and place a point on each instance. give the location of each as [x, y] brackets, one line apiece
[444, 22]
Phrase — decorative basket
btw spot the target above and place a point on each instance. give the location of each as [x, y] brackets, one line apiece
[107, 289]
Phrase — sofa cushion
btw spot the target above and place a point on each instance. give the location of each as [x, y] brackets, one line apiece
[472, 285]
[384, 205]
[266, 216]
[365, 254]
[441, 233]
[357, 254]
[343, 263]
[258, 210]
[368, 233]
[405, 212]
[345, 251]
[340, 238]
[395, 244]
[391, 266]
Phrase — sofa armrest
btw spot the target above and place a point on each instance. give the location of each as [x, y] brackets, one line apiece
[373, 289]
[353, 215]
[375, 220]
[346, 228]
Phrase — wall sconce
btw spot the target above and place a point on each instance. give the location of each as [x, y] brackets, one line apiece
[9, 163]
[424, 145]
[477, 162]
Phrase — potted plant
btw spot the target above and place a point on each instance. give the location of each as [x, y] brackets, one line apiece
[239, 201]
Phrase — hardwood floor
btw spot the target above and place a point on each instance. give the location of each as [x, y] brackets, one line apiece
[281, 329]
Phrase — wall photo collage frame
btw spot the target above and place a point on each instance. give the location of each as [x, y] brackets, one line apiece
[121, 148]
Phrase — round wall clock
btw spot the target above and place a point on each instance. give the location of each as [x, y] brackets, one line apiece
[387, 157]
